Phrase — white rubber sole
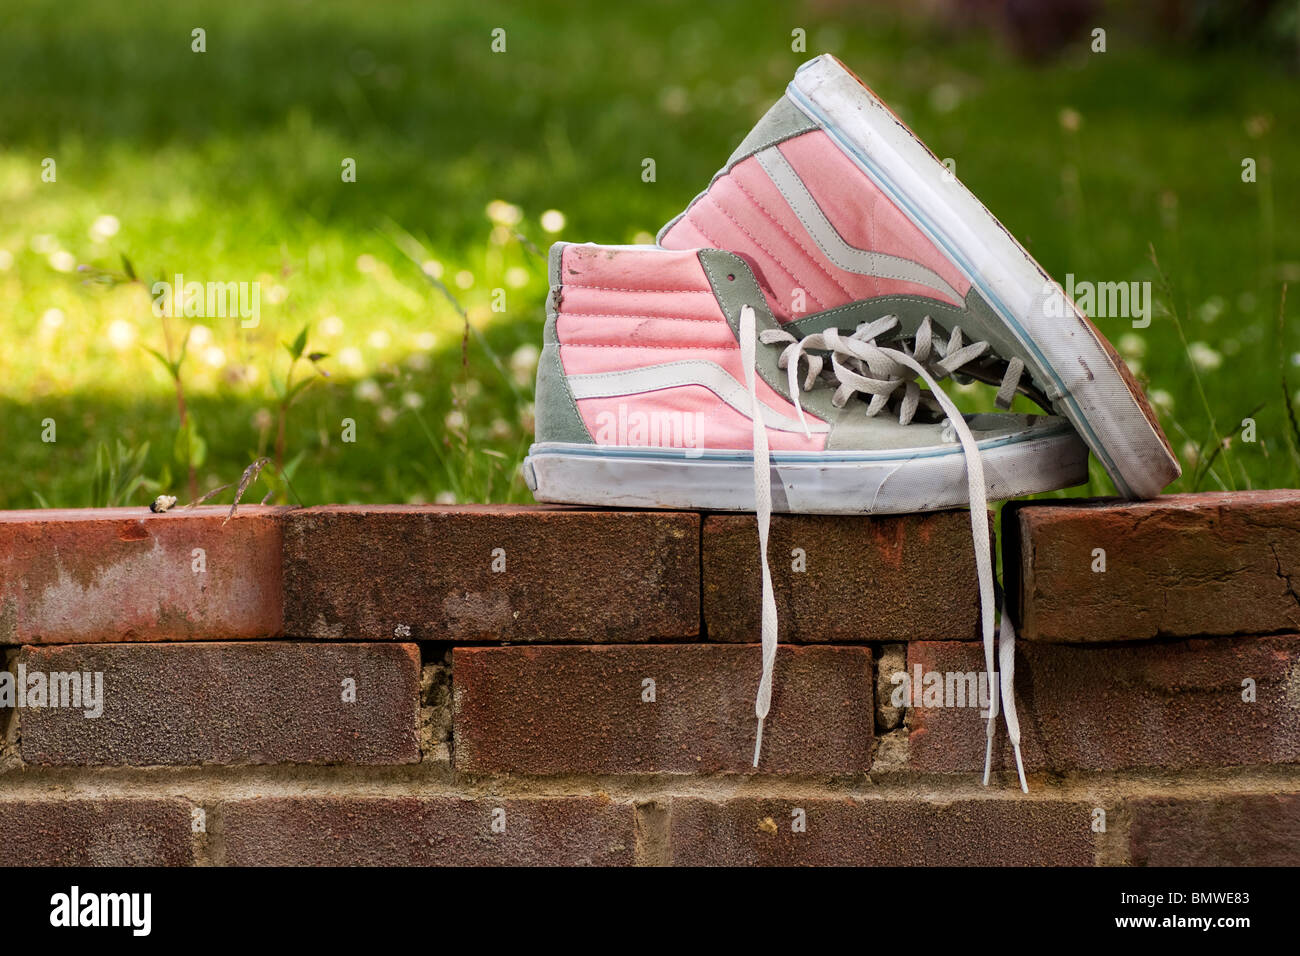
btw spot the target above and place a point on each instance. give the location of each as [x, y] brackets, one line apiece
[886, 482]
[1083, 380]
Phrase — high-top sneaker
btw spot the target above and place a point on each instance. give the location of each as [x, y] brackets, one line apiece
[649, 390]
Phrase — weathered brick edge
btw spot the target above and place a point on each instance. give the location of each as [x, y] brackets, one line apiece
[1209, 564]
[227, 703]
[104, 830]
[125, 574]
[686, 709]
[844, 578]
[491, 573]
[1201, 703]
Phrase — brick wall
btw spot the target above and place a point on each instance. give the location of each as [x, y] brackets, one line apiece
[483, 685]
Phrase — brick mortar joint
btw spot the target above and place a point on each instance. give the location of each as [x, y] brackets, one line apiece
[216, 785]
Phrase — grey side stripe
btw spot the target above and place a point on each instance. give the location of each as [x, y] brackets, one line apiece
[714, 377]
[832, 244]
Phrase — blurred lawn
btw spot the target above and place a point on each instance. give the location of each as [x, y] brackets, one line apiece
[225, 166]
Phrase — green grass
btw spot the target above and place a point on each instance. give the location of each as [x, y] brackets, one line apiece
[225, 166]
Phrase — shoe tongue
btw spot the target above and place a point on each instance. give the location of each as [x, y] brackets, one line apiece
[735, 287]
[910, 311]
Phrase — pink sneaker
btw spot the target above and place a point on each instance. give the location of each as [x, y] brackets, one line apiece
[844, 215]
[644, 399]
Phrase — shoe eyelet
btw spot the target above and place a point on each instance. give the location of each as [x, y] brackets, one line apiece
[731, 277]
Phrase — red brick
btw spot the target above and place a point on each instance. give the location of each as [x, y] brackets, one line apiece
[1176, 566]
[1169, 705]
[573, 709]
[374, 572]
[241, 703]
[434, 831]
[106, 831]
[126, 574]
[1004, 830]
[885, 578]
[1233, 829]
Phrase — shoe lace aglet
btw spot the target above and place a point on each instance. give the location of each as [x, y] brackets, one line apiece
[1020, 767]
[988, 751]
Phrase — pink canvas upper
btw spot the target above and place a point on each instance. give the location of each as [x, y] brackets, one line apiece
[744, 212]
[622, 309]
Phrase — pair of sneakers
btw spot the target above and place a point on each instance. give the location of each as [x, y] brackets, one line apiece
[769, 353]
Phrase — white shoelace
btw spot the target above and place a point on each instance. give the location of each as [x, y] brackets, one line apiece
[763, 510]
[852, 357]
